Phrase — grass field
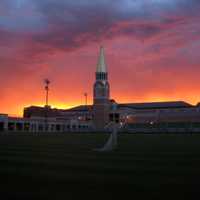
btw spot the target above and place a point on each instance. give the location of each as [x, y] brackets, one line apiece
[65, 167]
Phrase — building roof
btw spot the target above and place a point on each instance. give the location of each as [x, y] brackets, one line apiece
[156, 105]
[80, 108]
[4, 115]
[151, 105]
[84, 108]
[101, 65]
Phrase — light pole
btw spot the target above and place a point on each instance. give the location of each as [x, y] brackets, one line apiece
[85, 95]
[46, 82]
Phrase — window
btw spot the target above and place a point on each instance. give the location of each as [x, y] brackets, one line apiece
[1, 126]
[40, 127]
[11, 126]
[26, 126]
[58, 127]
[52, 127]
[19, 126]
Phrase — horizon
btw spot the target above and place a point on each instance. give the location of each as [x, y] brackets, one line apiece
[73, 106]
[151, 49]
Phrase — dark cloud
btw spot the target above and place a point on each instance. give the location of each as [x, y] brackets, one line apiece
[69, 25]
[73, 24]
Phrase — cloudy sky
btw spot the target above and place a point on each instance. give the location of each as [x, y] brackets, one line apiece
[152, 50]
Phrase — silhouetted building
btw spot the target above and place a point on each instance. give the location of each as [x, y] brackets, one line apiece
[175, 116]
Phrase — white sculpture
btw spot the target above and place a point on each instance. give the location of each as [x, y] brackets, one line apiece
[111, 144]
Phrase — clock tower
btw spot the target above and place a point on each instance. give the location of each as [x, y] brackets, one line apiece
[101, 103]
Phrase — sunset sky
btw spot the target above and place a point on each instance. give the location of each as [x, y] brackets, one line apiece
[152, 50]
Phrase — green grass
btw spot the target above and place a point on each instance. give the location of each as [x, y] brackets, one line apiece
[66, 167]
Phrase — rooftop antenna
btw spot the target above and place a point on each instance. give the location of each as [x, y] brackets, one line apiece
[47, 82]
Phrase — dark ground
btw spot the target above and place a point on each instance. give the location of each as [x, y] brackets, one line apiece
[65, 167]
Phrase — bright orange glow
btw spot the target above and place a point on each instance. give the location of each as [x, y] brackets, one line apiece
[135, 75]
[16, 109]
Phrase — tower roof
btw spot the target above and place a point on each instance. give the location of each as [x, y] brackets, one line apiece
[101, 65]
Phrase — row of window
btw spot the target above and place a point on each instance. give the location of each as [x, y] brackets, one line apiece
[40, 127]
[101, 76]
[165, 125]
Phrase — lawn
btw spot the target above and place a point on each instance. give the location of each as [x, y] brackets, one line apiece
[66, 167]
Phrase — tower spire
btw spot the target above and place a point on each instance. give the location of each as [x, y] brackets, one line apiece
[101, 106]
[101, 65]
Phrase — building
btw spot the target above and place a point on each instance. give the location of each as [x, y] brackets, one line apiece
[175, 116]
[101, 99]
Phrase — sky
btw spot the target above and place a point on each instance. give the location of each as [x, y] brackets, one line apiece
[152, 50]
